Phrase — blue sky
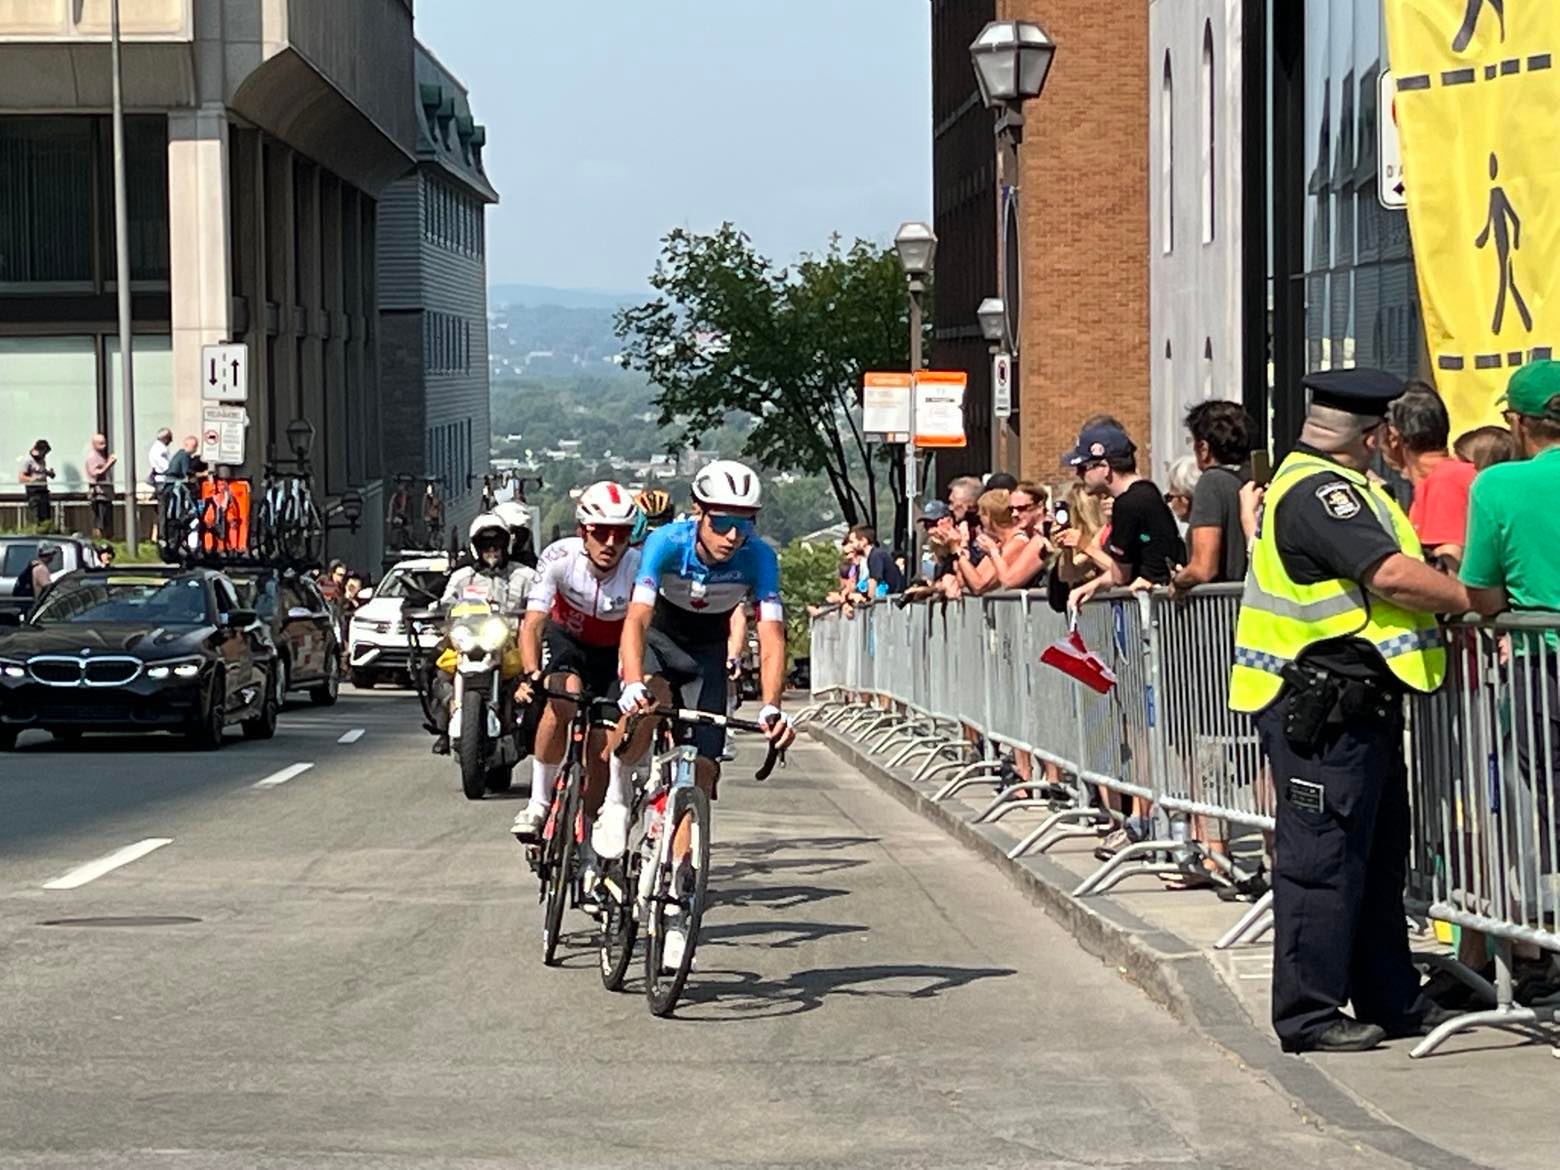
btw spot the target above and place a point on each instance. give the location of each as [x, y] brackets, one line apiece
[607, 127]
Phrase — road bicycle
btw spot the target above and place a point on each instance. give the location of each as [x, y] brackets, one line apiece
[651, 887]
[288, 524]
[555, 857]
[187, 525]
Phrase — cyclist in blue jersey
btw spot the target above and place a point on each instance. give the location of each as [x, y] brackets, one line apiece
[692, 575]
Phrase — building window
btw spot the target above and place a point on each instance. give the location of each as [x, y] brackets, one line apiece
[1169, 373]
[151, 358]
[1167, 159]
[1207, 387]
[46, 193]
[49, 390]
[1210, 136]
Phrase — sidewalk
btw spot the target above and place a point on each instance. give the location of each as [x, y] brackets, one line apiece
[1486, 1099]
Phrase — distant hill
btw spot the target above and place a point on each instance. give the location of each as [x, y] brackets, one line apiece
[537, 295]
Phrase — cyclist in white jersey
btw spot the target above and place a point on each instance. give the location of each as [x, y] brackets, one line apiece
[576, 609]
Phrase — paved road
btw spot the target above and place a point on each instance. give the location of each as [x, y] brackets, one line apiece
[359, 986]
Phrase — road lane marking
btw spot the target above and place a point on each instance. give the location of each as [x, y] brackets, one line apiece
[275, 779]
[353, 736]
[93, 870]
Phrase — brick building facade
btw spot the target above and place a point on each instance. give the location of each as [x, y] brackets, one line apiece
[1083, 226]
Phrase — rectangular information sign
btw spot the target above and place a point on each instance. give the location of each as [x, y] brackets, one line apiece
[885, 407]
[939, 408]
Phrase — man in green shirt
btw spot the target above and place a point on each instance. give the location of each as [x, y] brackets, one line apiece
[1512, 562]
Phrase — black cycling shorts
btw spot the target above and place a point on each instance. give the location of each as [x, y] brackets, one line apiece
[595, 666]
[698, 678]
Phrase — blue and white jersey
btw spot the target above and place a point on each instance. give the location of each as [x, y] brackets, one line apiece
[694, 600]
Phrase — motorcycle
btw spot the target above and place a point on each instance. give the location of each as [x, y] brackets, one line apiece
[483, 658]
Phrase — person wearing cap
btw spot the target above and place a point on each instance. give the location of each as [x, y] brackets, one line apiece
[1512, 561]
[1336, 625]
[1145, 542]
[35, 477]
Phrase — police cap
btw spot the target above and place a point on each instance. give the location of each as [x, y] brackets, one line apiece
[1363, 392]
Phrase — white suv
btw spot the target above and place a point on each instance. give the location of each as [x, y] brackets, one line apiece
[377, 643]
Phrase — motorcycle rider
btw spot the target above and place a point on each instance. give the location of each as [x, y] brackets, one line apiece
[491, 576]
[576, 609]
[522, 543]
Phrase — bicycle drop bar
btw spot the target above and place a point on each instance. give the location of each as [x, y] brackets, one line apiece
[708, 719]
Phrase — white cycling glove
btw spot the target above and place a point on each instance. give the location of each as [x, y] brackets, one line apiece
[633, 694]
[772, 714]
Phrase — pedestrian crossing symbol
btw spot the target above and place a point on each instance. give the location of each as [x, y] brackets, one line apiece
[1478, 112]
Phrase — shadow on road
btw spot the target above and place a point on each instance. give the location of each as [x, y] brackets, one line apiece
[720, 996]
[774, 897]
[791, 934]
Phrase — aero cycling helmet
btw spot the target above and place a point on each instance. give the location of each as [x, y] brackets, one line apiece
[514, 515]
[655, 504]
[726, 483]
[606, 503]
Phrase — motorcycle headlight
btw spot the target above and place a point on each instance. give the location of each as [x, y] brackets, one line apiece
[463, 637]
[492, 634]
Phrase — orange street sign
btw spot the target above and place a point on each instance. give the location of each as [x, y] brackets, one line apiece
[939, 408]
[885, 407]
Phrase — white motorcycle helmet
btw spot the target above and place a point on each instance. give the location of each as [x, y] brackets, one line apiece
[606, 503]
[488, 524]
[514, 515]
[726, 483]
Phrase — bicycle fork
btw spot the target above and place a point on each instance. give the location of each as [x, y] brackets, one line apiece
[683, 762]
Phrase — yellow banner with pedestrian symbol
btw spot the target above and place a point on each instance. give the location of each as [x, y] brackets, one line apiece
[1478, 112]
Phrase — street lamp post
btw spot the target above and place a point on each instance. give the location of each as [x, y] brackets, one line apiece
[916, 244]
[992, 315]
[122, 283]
[1012, 59]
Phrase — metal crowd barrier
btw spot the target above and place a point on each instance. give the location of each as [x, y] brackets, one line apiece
[959, 689]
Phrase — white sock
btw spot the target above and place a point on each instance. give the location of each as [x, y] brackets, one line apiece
[542, 777]
[618, 771]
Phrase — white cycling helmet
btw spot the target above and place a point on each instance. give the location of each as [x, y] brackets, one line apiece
[485, 523]
[606, 503]
[513, 514]
[726, 483]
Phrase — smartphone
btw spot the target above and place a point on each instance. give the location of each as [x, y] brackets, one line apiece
[1261, 467]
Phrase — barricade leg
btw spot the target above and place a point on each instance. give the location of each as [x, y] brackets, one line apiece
[931, 742]
[1087, 818]
[1253, 924]
[1506, 1013]
[1138, 853]
[932, 767]
[980, 772]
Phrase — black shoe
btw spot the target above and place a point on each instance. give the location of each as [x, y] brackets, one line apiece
[1246, 889]
[1344, 1035]
[441, 745]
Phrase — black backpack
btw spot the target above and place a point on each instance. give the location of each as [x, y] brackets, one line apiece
[24, 585]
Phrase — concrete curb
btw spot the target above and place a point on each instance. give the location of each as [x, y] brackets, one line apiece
[1171, 971]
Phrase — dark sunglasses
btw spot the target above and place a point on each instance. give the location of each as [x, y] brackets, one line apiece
[725, 525]
[609, 533]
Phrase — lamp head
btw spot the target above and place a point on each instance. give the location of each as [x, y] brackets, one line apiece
[300, 437]
[993, 319]
[1012, 59]
[916, 244]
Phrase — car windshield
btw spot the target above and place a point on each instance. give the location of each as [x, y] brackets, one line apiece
[16, 556]
[152, 601]
[418, 584]
[252, 596]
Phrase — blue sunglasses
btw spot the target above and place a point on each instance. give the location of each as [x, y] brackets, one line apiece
[725, 525]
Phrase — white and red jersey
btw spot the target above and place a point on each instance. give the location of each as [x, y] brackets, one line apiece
[570, 591]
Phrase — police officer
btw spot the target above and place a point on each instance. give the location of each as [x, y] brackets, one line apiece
[1336, 625]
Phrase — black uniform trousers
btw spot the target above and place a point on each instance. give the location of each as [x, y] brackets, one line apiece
[1339, 928]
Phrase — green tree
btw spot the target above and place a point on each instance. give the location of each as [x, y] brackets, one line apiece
[808, 573]
[730, 331]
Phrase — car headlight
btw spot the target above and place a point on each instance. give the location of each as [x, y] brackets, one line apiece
[13, 670]
[492, 634]
[463, 637]
[164, 670]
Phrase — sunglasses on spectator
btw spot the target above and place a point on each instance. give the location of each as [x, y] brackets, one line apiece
[1172, 497]
[609, 533]
[725, 525]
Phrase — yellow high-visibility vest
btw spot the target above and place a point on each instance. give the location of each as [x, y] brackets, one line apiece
[1280, 618]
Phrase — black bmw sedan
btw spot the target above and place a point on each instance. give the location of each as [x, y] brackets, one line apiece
[139, 649]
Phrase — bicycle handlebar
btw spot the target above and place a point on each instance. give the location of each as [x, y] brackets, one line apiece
[708, 719]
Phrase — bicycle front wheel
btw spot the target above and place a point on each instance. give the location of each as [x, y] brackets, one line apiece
[677, 900]
[619, 927]
[560, 876]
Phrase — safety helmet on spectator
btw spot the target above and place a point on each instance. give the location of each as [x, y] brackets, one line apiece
[726, 483]
[606, 503]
